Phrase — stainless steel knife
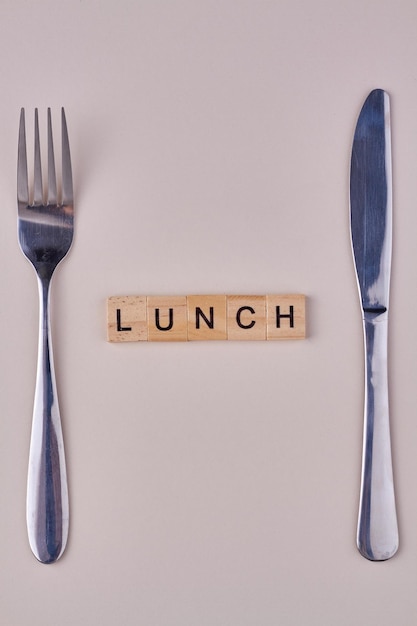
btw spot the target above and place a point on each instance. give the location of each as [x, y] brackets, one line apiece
[371, 232]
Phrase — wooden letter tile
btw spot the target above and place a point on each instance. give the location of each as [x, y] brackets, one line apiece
[206, 318]
[286, 317]
[167, 318]
[126, 319]
[246, 318]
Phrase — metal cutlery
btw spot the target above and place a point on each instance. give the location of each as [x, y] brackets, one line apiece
[371, 232]
[45, 230]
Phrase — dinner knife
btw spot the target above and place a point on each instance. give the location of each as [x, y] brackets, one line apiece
[371, 233]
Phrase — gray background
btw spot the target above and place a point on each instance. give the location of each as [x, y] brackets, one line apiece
[211, 484]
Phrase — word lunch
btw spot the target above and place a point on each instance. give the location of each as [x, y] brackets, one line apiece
[205, 318]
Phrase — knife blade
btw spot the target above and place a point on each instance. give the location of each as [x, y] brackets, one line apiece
[371, 237]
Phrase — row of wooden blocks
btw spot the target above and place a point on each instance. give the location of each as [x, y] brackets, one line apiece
[205, 318]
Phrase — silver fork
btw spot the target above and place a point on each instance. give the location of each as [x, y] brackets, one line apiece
[45, 234]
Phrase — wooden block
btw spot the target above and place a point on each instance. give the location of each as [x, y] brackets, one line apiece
[286, 317]
[126, 318]
[246, 318]
[167, 318]
[206, 318]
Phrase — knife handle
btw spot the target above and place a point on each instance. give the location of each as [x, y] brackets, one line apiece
[377, 536]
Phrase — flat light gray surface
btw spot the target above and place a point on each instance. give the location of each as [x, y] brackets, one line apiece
[211, 484]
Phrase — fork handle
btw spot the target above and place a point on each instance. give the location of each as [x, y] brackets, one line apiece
[47, 492]
[377, 536]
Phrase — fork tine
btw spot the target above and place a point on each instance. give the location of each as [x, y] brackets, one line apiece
[22, 167]
[37, 180]
[67, 191]
[52, 191]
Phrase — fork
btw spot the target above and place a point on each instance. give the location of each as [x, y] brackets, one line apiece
[45, 230]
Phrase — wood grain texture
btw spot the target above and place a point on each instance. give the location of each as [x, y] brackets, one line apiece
[167, 318]
[206, 318]
[285, 317]
[126, 319]
[246, 318]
